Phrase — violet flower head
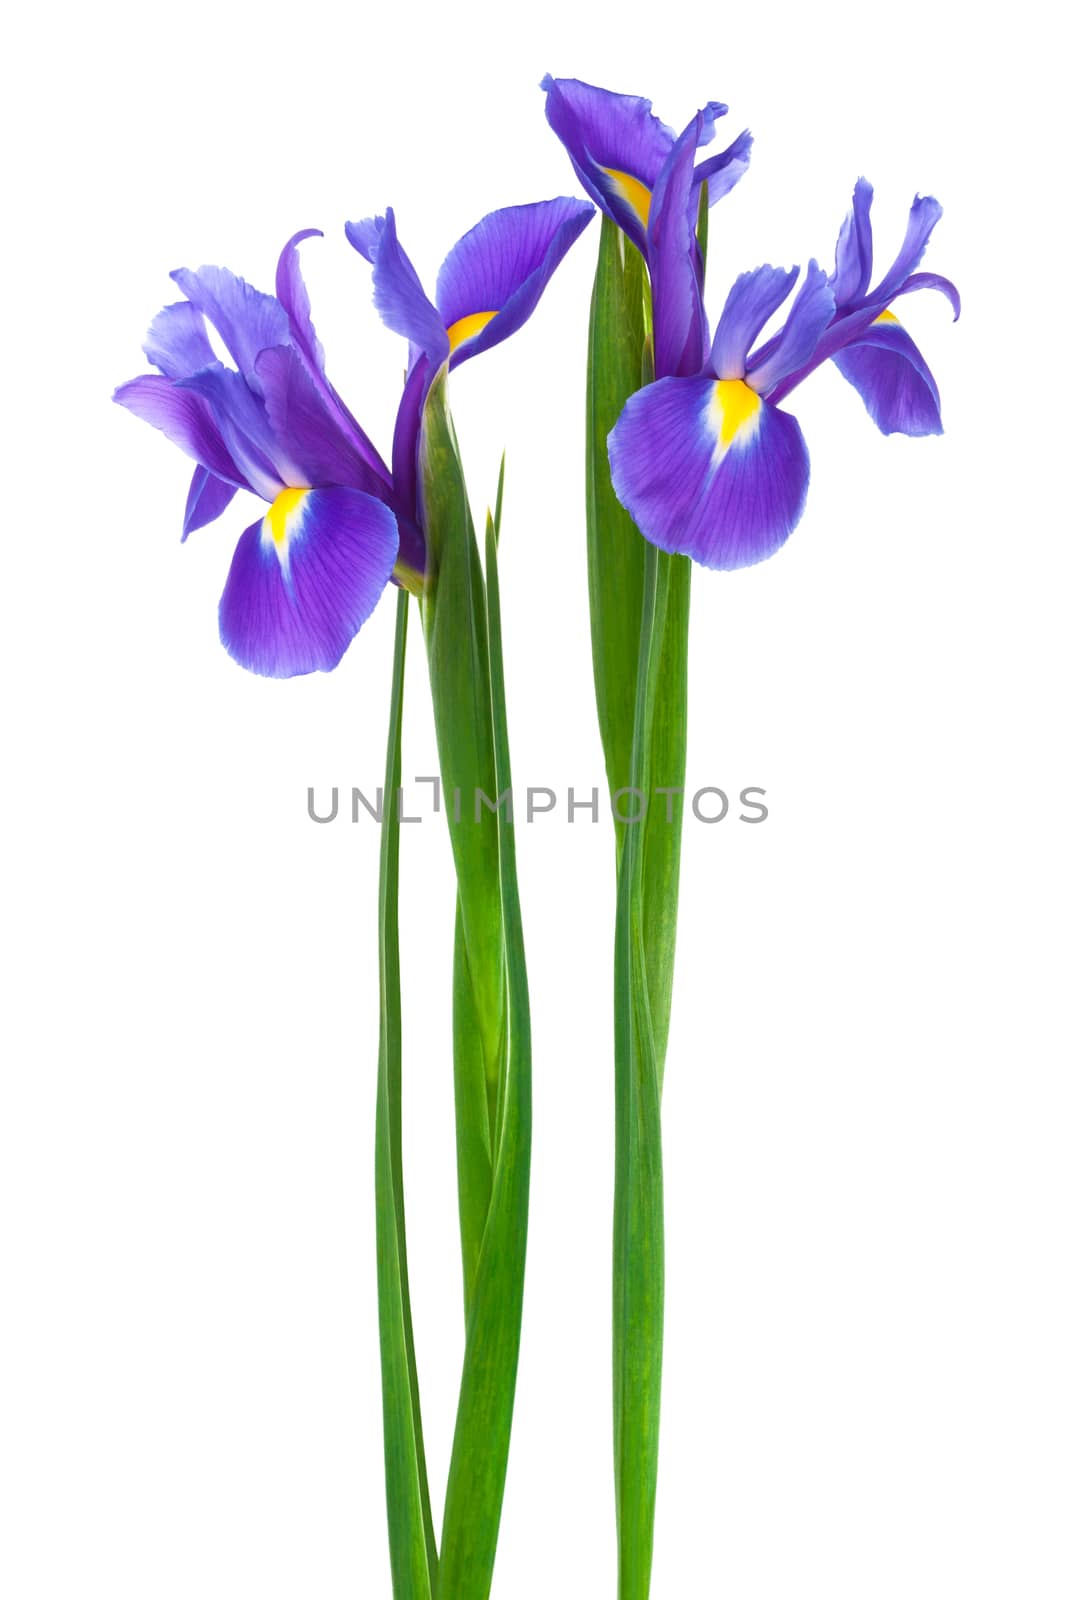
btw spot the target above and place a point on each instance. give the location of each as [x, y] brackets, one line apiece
[710, 466]
[306, 575]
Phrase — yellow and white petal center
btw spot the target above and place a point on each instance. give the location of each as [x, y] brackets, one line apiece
[733, 414]
[282, 522]
[468, 328]
[636, 194]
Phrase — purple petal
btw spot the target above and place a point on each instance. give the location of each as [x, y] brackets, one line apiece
[754, 297]
[922, 219]
[722, 171]
[502, 265]
[855, 249]
[808, 318]
[893, 380]
[307, 427]
[933, 280]
[177, 342]
[305, 579]
[708, 118]
[245, 428]
[399, 297]
[606, 134]
[207, 499]
[185, 418]
[677, 304]
[247, 321]
[709, 469]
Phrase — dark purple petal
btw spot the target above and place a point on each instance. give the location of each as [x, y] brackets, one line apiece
[754, 297]
[307, 427]
[720, 172]
[855, 249]
[677, 304]
[710, 470]
[406, 436]
[305, 579]
[502, 266]
[207, 499]
[247, 321]
[606, 134]
[177, 342]
[808, 318]
[892, 379]
[399, 297]
[922, 219]
[185, 418]
[245, 428]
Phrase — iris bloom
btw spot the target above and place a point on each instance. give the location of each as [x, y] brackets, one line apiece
[643, 178]
[710, 465]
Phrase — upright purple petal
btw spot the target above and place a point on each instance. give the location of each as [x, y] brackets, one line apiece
[245, 428]
[399, 297]
[247, 321]
[177, 342]
[677, 303]
[855, 249]
[892, 379]
[305, 579]
[808, 318]
[922, 219]
[720, 172]
[491, 280]
[708, 469]
[186, 419]
[708, 118]
[307, 427]
[207, 499]
[754, 298]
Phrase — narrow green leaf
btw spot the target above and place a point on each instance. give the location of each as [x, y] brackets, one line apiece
[412, 1552]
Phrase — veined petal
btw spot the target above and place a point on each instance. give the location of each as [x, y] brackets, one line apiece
[808, 318]
[247, 321]
[245, 428]
[892, 379]
[922, 219]
[177, 342]
[754, 297]
[720, 172]
[677, 304]
[616, 145]
[307, 427]
[185, 418]
[207, 499]
[491, 281]
[708, 469]
[855, 249]
[399, 297]
[305, 579]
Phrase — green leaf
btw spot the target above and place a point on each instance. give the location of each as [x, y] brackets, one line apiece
[412, 1552]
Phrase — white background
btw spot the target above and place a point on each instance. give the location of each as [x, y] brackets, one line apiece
[864, 1115]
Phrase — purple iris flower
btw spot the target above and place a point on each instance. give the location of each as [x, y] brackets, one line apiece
[642, 176]
[710, 465]
[306, 576]
[488, 286]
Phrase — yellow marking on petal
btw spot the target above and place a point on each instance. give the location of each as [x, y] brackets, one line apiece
[468, 327]
[887, 316]
[734, 413]
[281, 513]
[636, 194]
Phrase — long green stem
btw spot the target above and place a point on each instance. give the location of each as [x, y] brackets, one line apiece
[412, 1551]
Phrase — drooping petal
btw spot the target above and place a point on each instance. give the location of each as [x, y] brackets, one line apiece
[306, 426]
[709, 469]
[808, 318]
[754, 297]
[177, 342]
[490, 282]
[247, 321]
[677, 303]
[892, 379]
[245, 427]
[720, 172]
[617, 147]
[922, 219]
[400, 299]
[207, 499]
[185, 418]
[305, 579]
[855, 249]
[933, 280]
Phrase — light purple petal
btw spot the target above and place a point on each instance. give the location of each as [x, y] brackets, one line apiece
[399, 297]
[708, 118]
[922, 219]
[293, 604]
[754, 297]
[185, 418]
[720, 172]
[855, 249]
[207, 499]
[933, 280]
[893, 380]
[808, 318]
[699, 481]
[177, 342]
[245, 428]
[247, 321]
